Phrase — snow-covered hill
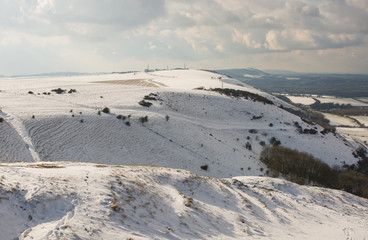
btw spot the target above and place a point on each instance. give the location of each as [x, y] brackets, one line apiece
[65, 174]
[201, 127]
[88, 201]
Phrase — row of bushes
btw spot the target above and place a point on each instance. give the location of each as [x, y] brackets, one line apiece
[239, 93]
[303, 168]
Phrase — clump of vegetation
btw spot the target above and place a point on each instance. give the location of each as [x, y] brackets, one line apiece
[143, 119]
[275, 142]
[253, 131]
[303, 168]
[127, 123]
[309, 131]
[30, 92]
[239, 93]
[151, 96]
[58, 90]
[121, 117]
[167, 117]
[72, 91]
[363, 162]
[106, 110]
[1, 119]
[188, 202]
[145, 103]
[204, 167]
[248, 146]
[257, 117]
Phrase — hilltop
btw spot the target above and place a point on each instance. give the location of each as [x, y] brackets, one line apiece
[203, 127]
[161, 155]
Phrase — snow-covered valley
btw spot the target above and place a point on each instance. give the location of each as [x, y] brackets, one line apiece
[202, 178]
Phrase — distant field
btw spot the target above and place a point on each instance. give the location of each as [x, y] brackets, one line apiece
[330, 99]
[355, 133]
[363, 100]
[337, 120]
[340, 85]
[362, 119]
[301, 100]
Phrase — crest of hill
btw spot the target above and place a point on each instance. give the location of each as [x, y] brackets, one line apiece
[187, 126]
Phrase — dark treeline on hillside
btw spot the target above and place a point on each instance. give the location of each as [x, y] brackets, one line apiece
[244, 94]
[303, 168]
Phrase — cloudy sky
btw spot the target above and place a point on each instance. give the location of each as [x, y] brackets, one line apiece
[38, 36]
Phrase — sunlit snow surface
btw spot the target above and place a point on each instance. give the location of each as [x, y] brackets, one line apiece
[88, 201]
[187, 128]
[204, 128]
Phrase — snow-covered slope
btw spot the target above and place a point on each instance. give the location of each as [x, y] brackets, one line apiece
[202, 128]
[87, 201]
[68, 176]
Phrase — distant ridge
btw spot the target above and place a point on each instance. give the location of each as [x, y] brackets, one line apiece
[54, 74]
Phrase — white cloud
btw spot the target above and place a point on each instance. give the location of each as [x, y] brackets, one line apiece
[182, 30]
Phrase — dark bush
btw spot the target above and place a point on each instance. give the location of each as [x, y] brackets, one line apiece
[167, 117]
[275, 142]
[262, 143]
[127, 123]
[58, 90]
[253, 131]
[151, 96]
[72, 91]
[106, 110]
[248, 146]
[143, 119]
[204, 167]
[1, 119]
[309, 131]
[257, 117]
[145, 103]
[30, 92]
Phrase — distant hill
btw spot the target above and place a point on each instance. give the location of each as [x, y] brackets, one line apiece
[340, 85]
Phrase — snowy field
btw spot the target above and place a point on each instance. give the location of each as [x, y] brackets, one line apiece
[361, 119]
[330, 99]
[65, 174]
[301, 100]
[357, 134]
[306, 100]
[363, 100]
[337, 120]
